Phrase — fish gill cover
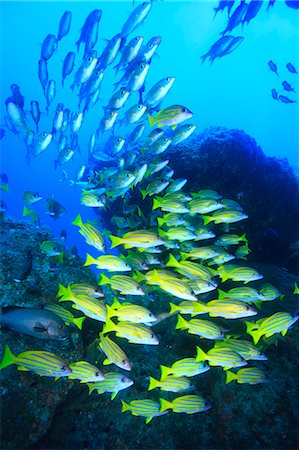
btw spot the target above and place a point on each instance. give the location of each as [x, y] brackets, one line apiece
[169, 260]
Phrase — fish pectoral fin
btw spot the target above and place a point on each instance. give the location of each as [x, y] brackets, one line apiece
[39, 327]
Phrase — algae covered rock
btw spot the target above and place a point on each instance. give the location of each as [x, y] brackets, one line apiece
[232, 163]
[29, 401]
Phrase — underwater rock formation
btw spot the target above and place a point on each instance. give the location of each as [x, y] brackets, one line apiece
[231, 162]
[28, 401]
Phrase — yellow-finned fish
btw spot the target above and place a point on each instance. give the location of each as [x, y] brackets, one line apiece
[115, 355]
[43, 363]
[202, 328]
[145, 408]
[113, 382]
[65, 315]
[279, 322]
[222, 357]
[170, 383]
[170, 116]
[171, 285]
[249, 375]
[244, 348]
[135, 333]
[186, 367]
[189, 404]
[92, 236]
[72, 290]
[85, 372]
[138, 238]
[122, 283]
[111, 263]
[90, 306]
[130, 312]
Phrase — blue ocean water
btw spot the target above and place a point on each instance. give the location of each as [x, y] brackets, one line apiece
[234, 92]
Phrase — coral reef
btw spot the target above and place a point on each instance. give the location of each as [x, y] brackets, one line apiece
[232, 163]
[29, 401]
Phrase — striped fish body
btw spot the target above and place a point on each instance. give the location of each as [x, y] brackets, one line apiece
[78, 289]
[189, 404]
[43, 363]
[269, 292]
[190, 269]
[85, 372]
[145, 408]
[203, 233]
[66, 315]
[202, 328]
[220, 357]
[92, 236]
[91, 307]
[179, 234]
[205, 252]
[200, 286]
[204, 206]
[238, 273]
[188, 307]
[111, 263]
[115, 355]
[243, 293]
[248, 375]
[230, 239]
[228, 216]
[113, 382]
[170, 383]
[172, 286]
[123, 284]
[277, 323]
[243, 348]
[229, 309]
[187, 367]
[138, 238]
[170, 206]
[131, 312]
[134, 333]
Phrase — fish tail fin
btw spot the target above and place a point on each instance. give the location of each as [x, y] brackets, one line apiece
[207, 219]
[156, 204]
[200, 354]
[110, 312]
[104, 280]
[221, 294]
[124, 406]
[26, 211]
[165, 371]
[4, 187]
[115, 304]
[153, 383]
[223, 274]
[244, 239]
[165, 404]
[173, 308]
[184, 255]
[90, 260]
[204, 57]
[181, 323]
[90, 387]
[61, 290]
[151, 121]
[161, 221]
[68, 295]
[78, 321]
[115, 241]
[109, 326]
[143, 193]
[230, 376]
[78, 221]
[8, 358]
[172, 262]
[253, 330]
[296, 289]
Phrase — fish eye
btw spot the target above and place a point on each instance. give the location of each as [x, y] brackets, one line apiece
[138, 288]
[165, 139]
[151, 45]
[44, 134]
[123, 379]
[184, 109]
[128, 175]
[124, 361]
[89, 59]
[119, 139]
[152, 335]
[63, 368]
[61, 326]
[167, 79]
[97, 374]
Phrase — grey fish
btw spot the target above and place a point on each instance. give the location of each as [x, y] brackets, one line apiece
[35, 322]
[43, 73]
[224, 45]
[236, 17]
[64, 25]
[68, 65]
[48, 46]
[54, 208]
[252, 10]
[26, 267]
[35, 113]
[285, 99]
[136, 18]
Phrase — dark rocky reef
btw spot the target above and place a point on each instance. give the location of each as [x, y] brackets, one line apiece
[28, 401]
[232, 163]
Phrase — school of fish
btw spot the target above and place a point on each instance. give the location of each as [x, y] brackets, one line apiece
[170, 246]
